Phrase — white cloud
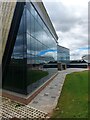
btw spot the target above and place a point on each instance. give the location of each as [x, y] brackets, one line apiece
[51, 54]
[77, 54]
[70, 19]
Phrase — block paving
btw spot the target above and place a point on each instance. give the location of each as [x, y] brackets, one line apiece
[12, 109]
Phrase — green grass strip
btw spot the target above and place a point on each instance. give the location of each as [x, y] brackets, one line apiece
[73, 102]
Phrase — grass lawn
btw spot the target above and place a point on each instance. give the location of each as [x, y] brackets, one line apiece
[73, 102]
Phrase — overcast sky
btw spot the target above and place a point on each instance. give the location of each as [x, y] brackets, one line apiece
[70, 20]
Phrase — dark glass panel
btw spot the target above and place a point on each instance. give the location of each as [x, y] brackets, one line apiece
[16, 74]
[32, 10]
[32, 25]
[38, 31]
[28, 6]
[40, 21]
[28, 21]
[36, 15]
[28, 46]
[18, 48]
[32, 46]
[22, 27]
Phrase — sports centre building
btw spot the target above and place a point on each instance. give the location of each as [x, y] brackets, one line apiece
[29, 42]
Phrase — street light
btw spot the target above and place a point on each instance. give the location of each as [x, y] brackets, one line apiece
[87, 59]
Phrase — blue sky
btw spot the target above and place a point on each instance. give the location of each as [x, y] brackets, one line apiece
[84, 48]
[46, 51]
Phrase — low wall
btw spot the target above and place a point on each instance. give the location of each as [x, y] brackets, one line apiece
[77, 66]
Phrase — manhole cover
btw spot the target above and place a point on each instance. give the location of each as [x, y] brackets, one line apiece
[35, 102]
[51, 87]
[53, 96]
[46, 94]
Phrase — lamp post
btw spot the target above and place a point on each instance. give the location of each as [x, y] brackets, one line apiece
[87, 59]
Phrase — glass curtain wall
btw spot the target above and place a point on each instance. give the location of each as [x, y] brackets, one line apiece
[16, 74]
[34, 47]
[41, 49]
[63, 54]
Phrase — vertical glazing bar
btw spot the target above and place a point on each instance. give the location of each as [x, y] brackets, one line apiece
[0, 59]
[88, 59]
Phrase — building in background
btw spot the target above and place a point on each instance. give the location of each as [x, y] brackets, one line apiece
[84, 62]
[63, 57]
[30, 42]
[78, 64]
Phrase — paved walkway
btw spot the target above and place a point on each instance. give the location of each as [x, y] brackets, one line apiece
[47, 99]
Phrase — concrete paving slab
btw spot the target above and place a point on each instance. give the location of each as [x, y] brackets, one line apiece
[47, 98]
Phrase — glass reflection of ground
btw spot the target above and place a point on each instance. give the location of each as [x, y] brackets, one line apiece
[35, 75]
[24, 78]
[32, 76]
[38, 83]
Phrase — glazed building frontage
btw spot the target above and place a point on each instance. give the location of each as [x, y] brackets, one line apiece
[63, 57]
[31, 43]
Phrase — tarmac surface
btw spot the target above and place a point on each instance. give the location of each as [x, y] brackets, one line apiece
[47, 99]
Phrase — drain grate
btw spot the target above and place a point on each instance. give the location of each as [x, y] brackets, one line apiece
[11, 109]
